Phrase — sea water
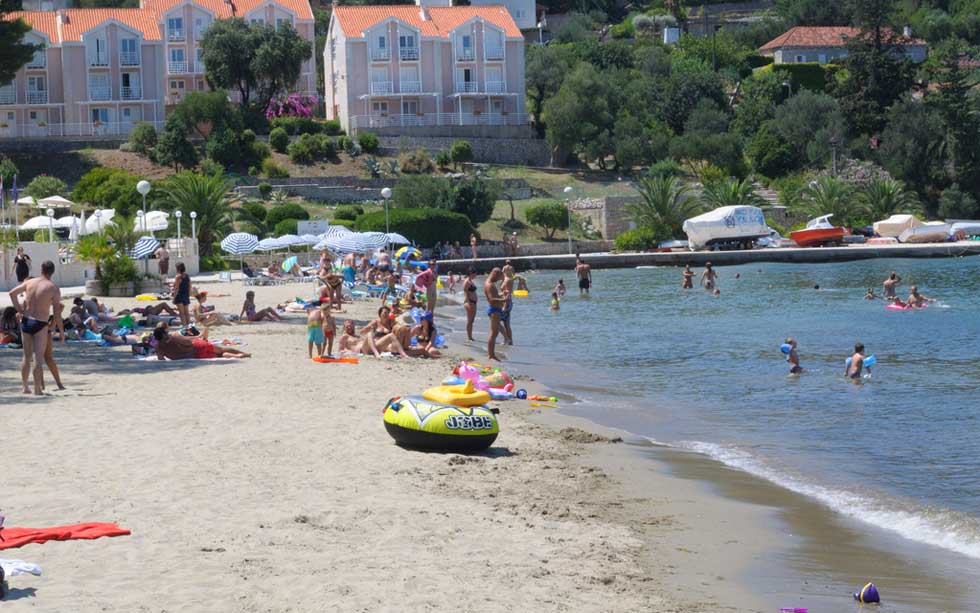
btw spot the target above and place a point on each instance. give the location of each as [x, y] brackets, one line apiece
[899, 450]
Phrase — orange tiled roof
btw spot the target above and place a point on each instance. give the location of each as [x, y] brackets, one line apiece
[42, 21]
[354, 20]
[223, 10]
[826, 36]
[79, 21]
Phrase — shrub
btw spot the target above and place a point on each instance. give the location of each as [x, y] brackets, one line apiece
[347, 223]
[368, 141]
[290, 210]
[44, 186]
[305, 149]
[108, 188]
[328, 146]
[461, 152]
[297, 125]
[248, 136]
[258, 151]
[213, 262]
[639, 239]
[253, 171]
[286, 226]
[7, 170]
[265, 190]
[143, 137]
[211, 168]
[624, 29]
[224, 148]
[348, 212]
[666, 168]
[442, 159]
[549, 216]
[256, 210]
[425, 226]
[344, 142]
[331, 127]
[419, 192]
[475, 198]
[273, 169]
[415, 162]
[120, 269]
[279, 140]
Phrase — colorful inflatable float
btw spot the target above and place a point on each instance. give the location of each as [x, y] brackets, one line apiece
[422, 424]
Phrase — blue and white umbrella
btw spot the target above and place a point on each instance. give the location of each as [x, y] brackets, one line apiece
[341, 245]
[372, 240]
[310, 239]
[397, 239]
[239, 243]
[336, 231]
[290, 240]
[144, 247]
[269, 244]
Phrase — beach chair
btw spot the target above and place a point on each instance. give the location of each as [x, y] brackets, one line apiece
[224, 276]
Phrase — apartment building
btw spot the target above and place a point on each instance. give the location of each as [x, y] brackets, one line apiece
[103, 70]
[414, 66]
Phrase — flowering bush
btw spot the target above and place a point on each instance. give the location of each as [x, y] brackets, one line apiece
[293, 105]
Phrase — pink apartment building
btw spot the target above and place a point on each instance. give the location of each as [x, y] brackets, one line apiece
[102, 70]
[400, 68]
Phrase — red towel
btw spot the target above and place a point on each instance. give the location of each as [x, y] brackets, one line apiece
[18, 537]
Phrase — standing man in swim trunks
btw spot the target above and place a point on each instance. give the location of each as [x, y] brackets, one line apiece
[496, 301]
[890, 284]
[584, 273]
[42, 298]
[509, 277]
[163, 262]
[383, 261]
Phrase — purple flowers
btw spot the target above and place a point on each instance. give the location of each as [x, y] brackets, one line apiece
[293, 105]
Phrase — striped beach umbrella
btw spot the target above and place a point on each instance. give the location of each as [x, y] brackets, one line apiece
[372, 240]
[397, 239]
[310, 239]
[144, 247]
[290, 240]
[336, 231]
[268, 244]
[239, 243]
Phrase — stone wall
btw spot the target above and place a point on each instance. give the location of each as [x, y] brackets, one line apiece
[54, 144]
[606, 214]
[349, 189]
[519, 151]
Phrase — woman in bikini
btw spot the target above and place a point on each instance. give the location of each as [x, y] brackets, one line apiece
[203, 317]
[425, 334]
[251, 314]
[708, 277]
[470, 291]
[688, 282]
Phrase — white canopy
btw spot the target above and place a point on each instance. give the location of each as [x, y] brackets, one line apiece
[725, 223]
[68, 221]
[41, 222]
[27, 200]
[155, 221]
[98, 221]
[56, 202]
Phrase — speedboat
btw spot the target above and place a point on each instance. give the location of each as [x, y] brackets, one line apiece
[895, 225]
[964, 229]
[819, 232]
[929, 232]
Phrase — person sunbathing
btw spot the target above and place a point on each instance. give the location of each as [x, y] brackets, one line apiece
[374, 338]
[425, 335]
[176, 347]
[205, 317]
[151, 311]
[252, 314]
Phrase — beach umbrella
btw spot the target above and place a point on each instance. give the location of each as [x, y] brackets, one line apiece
[96, 223]
[397, 239]
[408, 253]
[341, 245]
[68, 221]
[288, 264]
[154, 221]
[372, 240]
[41, 222]
[268, 244]
[239, 243]
[336, 231]
[144, 247]
[290, 240]
[27, 201]
[56, 202]
[310, 239]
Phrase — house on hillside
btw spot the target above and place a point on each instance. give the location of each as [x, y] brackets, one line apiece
[828, 44]
[409, 69]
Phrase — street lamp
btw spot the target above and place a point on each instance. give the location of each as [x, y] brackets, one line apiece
[789, 89]
[98, 220]
[178, 215]
[50, 213]
[386, 195]
[568, 206]
[194, 225]
[143, 187]
[540, 34]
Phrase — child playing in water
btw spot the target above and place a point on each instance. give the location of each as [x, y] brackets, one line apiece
[853, 370]
[560, 288]
[329, 328]
[452, 282]
[314, 329]
[871, 294]
[793, 357]
[555, 303]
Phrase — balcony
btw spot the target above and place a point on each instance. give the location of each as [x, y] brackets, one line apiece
[8, 95]
[98, 61]
[496, 87]
[466, 87]
[176, 36]
[176, 67]
[134, 92]
[495, 53]
[99, 92]
[38, 62]
[129, 58]
[362, 122]
[381, 87]
[380, 55]
[35, 96]
[465, 54]
[408, 54]
[410, 87]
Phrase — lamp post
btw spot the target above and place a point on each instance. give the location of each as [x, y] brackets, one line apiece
[98, 220]
[50, 214]
[568, 207]
[789, 88]
[178, 215]
[386, 195]
[143, 187]
[540, 33]
[194, 225]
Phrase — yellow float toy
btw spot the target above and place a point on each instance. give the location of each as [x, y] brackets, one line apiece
[418, 423]
[464, 395]
[520, 293]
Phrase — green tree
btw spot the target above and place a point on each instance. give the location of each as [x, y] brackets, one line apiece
[701, 151]
[422, 191]
[290, 210]
[665, 204]
[883, 198]
[757, 103]
[952, 97]
[143, 137]
[43, 186]
[684, 92]
[204, 114]
[545, 69]
[475, 198]
[813, 12]
[957, 204]
[639, 142]
[769, 154]
[732, 192]
[210, 196]
[913, 147]
[7, 171]
[808, 122]
[108, 188]
[173, 148]
[252, 217]
[253, 59]
[121, 231]
[14, 52]
[549, 216]
[461, 152]
[579, 113]
[831, 196]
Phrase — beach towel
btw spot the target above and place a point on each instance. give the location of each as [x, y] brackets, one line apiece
[12, 568]
[18, 537]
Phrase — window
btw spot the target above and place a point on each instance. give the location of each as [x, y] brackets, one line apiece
[377, 108]
[200, 85]
[822, 58]
[175, 28]
[520, 14]
[467, 41]
[800, 58]
[199, 28]
[381, 42]
[100, 115]
[100, 55]
[127, 114]
[256, 21]
[32, 115]
[406, 40]
[410, 107]
[128, 52]
[35, 84]
[197, 57]
[177, 54]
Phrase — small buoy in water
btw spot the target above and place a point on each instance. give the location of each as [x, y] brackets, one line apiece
[521, 394]
[867, 594]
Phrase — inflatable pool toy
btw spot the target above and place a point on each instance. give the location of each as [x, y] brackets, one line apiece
[867, 594]
[520, 293]
[459, 395]
[521, 394]
[328, 359]
[543, 404]
[891, 306]
[421, 424]
[543, 398]
[496, 379]
[453, 380]
[499, 379]
[786, 348]
[146, 297]
[868, 361]
[497, 393]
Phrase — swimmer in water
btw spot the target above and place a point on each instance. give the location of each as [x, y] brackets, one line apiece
[688, 281]
[708, 277]
[816, 287]
[853, 370]
[555, 302]
[793, 358]
[890, 284]
[871, 294]
[918, 300]
[717, 293]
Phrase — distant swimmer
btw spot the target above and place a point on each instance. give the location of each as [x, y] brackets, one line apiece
[853, 369]
[918, 300]
[793, 357]
[890, 284]
[871, 294]
[584, 273]
[708, 277]
[688, 281]
[555, 302]
[717, 293]
[560, 288]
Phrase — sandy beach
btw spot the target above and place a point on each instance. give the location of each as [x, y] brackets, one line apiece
[270, 484]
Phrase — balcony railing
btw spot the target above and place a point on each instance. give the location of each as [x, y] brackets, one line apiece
[381, 87]
[465, 54]
[98, 60]
[466, 87]
[380, 55]
[46, 130]
[129, 58]
[410, 87]
[37, 96]
[408, 53]
[134, 92]
[495, 53]
[176, 67]
[175, 35]
[99, 92]
[8, 95]
[439, 119]
[38, 62]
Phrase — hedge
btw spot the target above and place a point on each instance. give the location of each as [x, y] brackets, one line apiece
[639, 239]
[290, 210]
[424, 226]
[811, 75]
[305, 125]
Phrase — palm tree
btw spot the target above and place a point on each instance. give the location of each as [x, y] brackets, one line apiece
[666, 204]
[831, 196]
[210, 196]
[731, 192]
[121, 231]
[886, 197]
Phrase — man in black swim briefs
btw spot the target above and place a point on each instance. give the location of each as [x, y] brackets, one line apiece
[584, 273]
[42, 298]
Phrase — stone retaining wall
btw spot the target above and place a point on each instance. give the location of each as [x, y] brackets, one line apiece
[349, 189]
[520, 151]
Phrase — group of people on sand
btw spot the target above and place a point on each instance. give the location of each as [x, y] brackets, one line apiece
[389, 332]
[915, 299]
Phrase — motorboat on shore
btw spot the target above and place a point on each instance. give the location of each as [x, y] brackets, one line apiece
[964, 229]
[820, 232]
[735, 226]
[895, 225]
[929, 232]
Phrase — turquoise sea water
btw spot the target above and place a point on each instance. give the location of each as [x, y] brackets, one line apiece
[899, 451]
